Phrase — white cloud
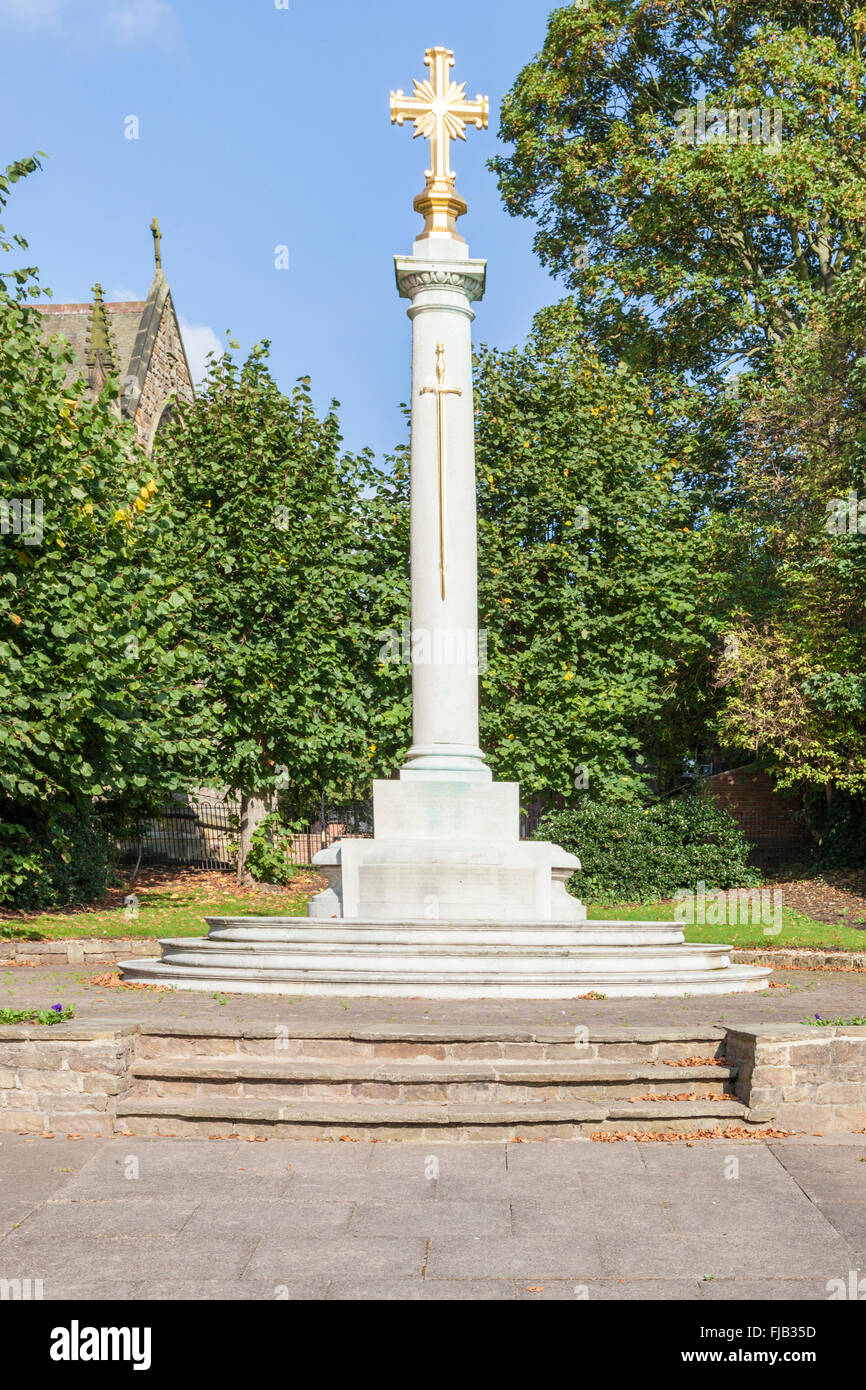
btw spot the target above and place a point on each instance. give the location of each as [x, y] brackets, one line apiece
[130, 23]
[123, 297]
[32, 14]
[143, 22]
[199, 340]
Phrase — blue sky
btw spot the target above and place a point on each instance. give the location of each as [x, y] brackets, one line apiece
[259, 126]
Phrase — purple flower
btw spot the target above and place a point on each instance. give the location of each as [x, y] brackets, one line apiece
[57, 1008]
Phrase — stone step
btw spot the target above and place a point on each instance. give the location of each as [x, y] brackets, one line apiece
[662, 976]
[365, 1120]
[429, 1042]
[399, 1083]
[346, 935]
[456, 957]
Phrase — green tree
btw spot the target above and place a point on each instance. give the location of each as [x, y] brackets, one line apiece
[590, 574]
[794, 550]
[689, 248]
[288, 548]
[97, 707]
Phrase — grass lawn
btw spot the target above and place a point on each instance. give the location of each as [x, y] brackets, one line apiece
[169, 904]
[797, 928]
[164, 912]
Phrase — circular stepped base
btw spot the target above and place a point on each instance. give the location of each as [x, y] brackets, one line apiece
[445, 960]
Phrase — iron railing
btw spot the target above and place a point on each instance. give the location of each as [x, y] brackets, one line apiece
[202, 833]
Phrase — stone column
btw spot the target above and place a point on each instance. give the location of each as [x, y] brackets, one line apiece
[445, 743]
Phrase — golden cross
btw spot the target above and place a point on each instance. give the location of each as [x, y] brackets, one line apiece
[440, 391]
[441, 111]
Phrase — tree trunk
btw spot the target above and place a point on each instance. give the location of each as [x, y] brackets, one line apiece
[254, 809]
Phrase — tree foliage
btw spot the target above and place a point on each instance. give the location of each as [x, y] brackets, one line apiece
[288, 549]
[588, 573]
[96, 698]
[687, 248]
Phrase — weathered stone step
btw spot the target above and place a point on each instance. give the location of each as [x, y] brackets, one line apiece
[400, 1083]
[430, 1042]
[309, 1119]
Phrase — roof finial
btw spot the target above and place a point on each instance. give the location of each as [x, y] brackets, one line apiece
[157, 238]
[100, 347]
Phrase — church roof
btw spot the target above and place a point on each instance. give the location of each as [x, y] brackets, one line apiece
[119, 339]
[73, 322]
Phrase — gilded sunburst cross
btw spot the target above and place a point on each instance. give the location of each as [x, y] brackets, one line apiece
[441, 112]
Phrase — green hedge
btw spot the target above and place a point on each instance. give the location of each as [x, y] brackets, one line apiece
[52, 857]
[635, 853]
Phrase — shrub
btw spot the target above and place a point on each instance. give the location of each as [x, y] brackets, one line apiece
[59, 857]
[638, 853]
[268, 856]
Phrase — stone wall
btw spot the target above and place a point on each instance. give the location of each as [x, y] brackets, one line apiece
[801, 1077]
[76, 951]
[167, 377]
[63, 1081]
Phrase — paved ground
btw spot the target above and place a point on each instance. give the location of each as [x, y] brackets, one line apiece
[795, 996]
[136, 1218]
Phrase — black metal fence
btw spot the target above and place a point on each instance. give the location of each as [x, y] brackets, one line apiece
[202, 833]
[191, 832]
[198, 832]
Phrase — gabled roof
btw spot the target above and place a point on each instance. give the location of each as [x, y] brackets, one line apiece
[117, 339]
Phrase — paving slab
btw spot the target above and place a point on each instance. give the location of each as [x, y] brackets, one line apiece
[282, 1220]
[234, 1291]
[63, 1263]
[531, 1258]
[550, 1220]
[797, 995]
[745, 1253]
[70, 1222]
[459, 1218]
[763, 1290]
[609, 1290]
[422, 1290]
[576, 1213]
[360, 1258]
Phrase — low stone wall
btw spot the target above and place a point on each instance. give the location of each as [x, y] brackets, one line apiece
[803, 1077]
[63, 1078]
[75, 951]
[67, 1078]
[784, 957]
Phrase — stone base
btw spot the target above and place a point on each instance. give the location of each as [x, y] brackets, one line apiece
[446, 849]
[446, 960]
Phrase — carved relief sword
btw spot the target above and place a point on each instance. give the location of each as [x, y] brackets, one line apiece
[440, 391]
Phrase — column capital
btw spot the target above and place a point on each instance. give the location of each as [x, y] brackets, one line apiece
[415, 275]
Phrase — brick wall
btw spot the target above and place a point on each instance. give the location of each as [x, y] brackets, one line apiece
[766, 816]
